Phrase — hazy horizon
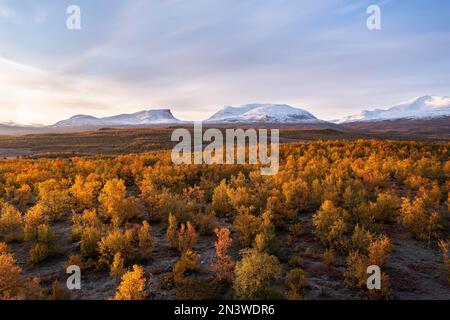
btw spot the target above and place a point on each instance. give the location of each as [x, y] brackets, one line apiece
[196, 57]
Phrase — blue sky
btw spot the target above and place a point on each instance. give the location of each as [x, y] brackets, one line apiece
[196, 56]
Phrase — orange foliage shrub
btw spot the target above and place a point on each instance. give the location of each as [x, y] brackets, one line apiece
[296, 194]
[23, 195]
[88, 219]
[223, 265]
[295, 284]
[266, 240]
[357, 263]
[385, 207]
[14, 286]
[187, 262]
[145, 240]
[254, 275]
[115, 205]
[34, 217]
[44, 246]
[132, 286]
[247, 227]
[418, 219]
[85, 191]
[220, 203]
[115, 241]
[11, 224]
[90, 237]
[330, 225]
[54, 198]
[172, 231]
[187, 237]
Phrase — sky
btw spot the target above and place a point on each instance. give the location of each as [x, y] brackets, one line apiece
[196, 56]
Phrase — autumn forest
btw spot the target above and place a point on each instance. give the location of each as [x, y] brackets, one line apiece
[140, 227]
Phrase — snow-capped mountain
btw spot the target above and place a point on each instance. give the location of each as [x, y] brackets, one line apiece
[426, 107]
[13, 124]
[161, 116]
[263, 113]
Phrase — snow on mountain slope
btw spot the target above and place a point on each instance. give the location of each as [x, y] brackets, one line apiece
[78, 120]
[425, 107]
[268, 113]
[162, 116]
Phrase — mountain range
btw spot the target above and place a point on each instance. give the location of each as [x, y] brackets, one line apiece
[146, 117]
[263, 113]
[426, 107]
[422, 108]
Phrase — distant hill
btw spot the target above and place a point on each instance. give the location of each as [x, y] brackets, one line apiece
[263, 113]
[146, 117]
[426, 107]
[427, 116]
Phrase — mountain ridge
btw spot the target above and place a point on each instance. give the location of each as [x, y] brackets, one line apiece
[262, 113]
[424, 107]
[145, 117]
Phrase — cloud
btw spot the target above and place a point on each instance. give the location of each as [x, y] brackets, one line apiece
[8, 14]
[50, 96]
[195, 56]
